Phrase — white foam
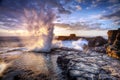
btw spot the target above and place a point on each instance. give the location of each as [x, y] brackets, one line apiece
[79, 44]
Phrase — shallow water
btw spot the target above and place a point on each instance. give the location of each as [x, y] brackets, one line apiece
[37, 62]
[57, 71]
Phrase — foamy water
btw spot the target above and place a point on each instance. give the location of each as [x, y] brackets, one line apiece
[79, 44]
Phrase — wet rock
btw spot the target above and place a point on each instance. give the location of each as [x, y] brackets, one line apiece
[75, 73]
[104, 77]
[80, 78]
[97, 41]
[100, 49]
[64, 64]
[75, 65]
[90, 76]
[89, 66]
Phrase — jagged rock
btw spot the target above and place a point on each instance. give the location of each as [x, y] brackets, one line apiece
[100, 49]
[111, 36]
[70, 37]
[97, 41]
[76, 73]
[91, 65]
[117, 41]
[113, 48]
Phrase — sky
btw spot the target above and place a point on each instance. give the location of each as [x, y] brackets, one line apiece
[81, 17]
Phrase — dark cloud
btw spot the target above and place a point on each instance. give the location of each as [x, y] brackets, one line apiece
[113, 16]
[63, 11]
[38, 4]
[12, 10]
[114, 1]
[9, 19]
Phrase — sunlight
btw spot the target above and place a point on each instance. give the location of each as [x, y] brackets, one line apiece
[3, 66]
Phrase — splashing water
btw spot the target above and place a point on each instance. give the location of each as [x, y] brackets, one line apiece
[39, 28]
[3, 66]
[32, 18]
[79, 44]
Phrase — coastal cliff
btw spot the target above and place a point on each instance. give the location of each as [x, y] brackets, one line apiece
[113, 47]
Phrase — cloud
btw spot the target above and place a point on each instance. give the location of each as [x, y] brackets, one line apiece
[113, 1]
[64, 11]
[78, 7]
[62, 25]
[81, 26]
[117, 14]
[113, 16]
[79, 1]
[98, 0]
[21, 4]
[94, 4]
[11, 11]
[92, 23]
[98, 16]
[113, 8]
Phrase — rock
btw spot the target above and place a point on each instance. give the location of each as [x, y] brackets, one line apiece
[65, 62]
[80, 78]
[97, 41]
[111, 36]
[81, 75]
[89, 66]
[75, 73]
[70, 37]
[100, 49]
[104, 77]
[117, 41]
[113, 48]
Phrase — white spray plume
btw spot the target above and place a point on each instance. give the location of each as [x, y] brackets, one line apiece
[39, 27]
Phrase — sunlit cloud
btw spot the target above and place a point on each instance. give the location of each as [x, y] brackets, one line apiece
[70, 14]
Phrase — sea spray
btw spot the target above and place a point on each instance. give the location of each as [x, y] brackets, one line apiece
[79, 44]
[40, 30]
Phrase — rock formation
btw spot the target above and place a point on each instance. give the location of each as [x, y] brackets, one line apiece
[113, 48]
[97, 41]
[70, 37]
[90, 65]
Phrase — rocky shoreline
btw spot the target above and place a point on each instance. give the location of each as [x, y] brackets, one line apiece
[93, 63]
[89, 65]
